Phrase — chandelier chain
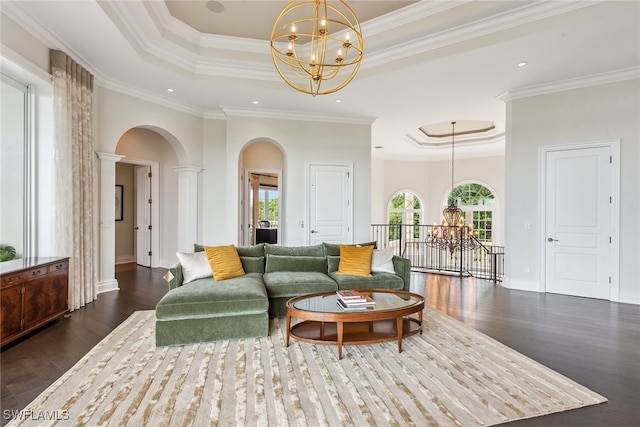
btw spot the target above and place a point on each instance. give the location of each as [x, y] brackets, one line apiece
[453, 133]
[452, 234]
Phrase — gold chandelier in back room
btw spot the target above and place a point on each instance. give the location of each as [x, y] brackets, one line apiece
[317, 47]
[452, 233]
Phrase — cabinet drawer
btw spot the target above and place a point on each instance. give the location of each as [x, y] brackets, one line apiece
[35, 272]
[60, 266]
[11, 279]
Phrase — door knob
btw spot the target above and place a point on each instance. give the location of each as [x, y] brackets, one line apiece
[137, 228]
[551, 239]
[313, 231]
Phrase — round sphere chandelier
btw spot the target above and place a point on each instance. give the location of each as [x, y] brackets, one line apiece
[317, 46]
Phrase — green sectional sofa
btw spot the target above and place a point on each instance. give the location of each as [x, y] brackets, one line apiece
[206, 310]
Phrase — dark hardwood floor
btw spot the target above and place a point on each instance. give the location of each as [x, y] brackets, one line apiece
[596, 343]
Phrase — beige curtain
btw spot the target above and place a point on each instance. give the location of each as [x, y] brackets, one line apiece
[73, 183]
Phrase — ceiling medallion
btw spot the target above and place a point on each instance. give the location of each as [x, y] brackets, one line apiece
[317, 47]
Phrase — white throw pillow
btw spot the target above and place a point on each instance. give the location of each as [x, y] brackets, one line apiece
[381, 261]
[194, 266]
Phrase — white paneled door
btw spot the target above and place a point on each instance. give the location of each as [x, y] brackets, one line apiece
[143, 216]
[330, 205]
[578, 222]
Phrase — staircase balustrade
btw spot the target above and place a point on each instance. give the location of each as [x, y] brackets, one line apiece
[485, 261]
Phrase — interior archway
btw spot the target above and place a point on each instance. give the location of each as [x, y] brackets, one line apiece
[146, 165]
[261, 192]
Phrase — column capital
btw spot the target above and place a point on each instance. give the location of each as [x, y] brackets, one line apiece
[187, 168]
[109, 157]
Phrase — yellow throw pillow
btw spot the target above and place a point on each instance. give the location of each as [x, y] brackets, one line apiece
[355, 260]
[224, 262]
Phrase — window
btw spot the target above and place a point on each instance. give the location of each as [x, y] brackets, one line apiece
[14, 165]
[268, 205]
[405, 208]
[479, 203]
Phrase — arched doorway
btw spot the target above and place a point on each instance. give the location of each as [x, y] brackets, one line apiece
[145, 167]
[261, 198]
[405, 212]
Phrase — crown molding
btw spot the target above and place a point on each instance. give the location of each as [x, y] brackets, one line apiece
[525, 14]
[153, 98]
[295, 115]
[215, 115]
[571, 84]
[406, 15]
[43, 35]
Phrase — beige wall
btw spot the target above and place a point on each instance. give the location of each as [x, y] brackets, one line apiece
[31, 53]
[598, 113]
[262, 155]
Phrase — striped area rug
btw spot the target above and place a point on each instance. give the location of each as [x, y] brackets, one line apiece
[451, 375]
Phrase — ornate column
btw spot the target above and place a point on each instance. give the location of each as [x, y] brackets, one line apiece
[107, 274]
[187, 206]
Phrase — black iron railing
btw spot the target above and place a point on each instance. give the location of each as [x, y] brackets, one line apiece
[410, 241]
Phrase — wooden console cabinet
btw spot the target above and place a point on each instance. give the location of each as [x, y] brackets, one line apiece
[33, 292]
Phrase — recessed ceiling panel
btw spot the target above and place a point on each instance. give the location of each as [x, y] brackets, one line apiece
[462, 127]
[254, 19]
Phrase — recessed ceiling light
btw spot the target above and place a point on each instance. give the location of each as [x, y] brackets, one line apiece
[170, 90]
[522, 64]
[215, 6]
[255, 102]
[338, 100]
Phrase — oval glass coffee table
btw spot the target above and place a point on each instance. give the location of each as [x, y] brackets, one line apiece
[323, 321]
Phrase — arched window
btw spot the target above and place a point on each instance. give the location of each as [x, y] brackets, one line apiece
[479, 203]
[405, 208]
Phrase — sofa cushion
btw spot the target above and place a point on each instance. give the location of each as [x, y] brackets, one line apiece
[291, 283]
[355, 260]
[252, 264]
[252, 251]
[194, 266]
[225, 262]
[295, 263]
[256, 250]
[375, 281]
[333, 262]
[206, 298]
[315, 250]
[382, 261]
[333, 249]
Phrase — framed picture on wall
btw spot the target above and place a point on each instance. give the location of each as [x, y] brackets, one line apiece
[119, 202]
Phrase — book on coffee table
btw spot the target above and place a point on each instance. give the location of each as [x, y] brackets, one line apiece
[355, 307]
[364, 301]
[347, 295]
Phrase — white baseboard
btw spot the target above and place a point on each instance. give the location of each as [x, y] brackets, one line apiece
[125, 259]
[629, 298]
[522, 285]
[107, 286]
